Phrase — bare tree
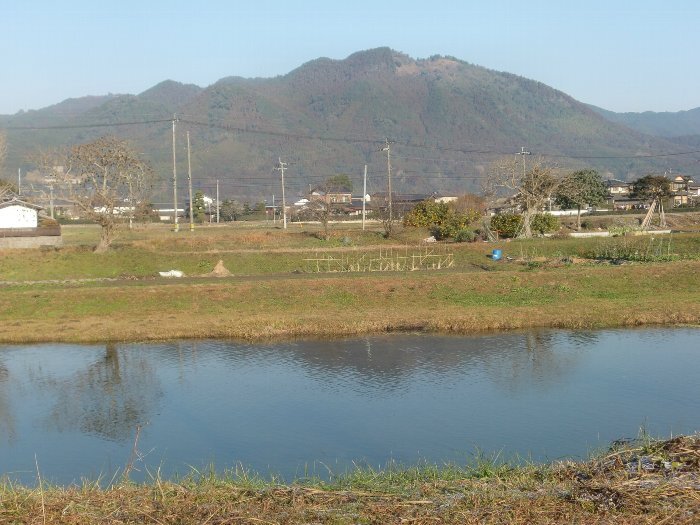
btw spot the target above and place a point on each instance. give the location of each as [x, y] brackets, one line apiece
[318, 209]
[323, 204]
[531, 189]
[104, 179]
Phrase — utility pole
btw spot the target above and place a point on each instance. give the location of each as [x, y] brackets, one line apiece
[522, 153]
[387, 148]
[19, 182]
[189, 181]
[51, 200]
[281, 167]
[364, 195]
[176, 226]
[274, 210]
[217, 201]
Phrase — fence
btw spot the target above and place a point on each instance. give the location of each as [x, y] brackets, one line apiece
[387, 260]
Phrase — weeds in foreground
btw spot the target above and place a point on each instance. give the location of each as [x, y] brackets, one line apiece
[638, 249]
[638, 481]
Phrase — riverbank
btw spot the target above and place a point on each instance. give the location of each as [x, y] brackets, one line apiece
[645, 481]
[341, 305]
[74, 295]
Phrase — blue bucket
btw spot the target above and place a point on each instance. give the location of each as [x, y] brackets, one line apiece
[496, 255]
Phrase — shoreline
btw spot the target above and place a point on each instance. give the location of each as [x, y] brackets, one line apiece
[641, 481]
[311, 335]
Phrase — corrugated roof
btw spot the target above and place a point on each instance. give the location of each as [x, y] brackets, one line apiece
[17, 202]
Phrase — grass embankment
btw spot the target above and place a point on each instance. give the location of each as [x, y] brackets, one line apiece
[646, 482]
[270, 295]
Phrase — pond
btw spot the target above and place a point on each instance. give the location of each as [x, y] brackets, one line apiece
[318, 407]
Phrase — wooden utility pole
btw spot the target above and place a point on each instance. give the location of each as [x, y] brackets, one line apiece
[217, 201]
[51, 200]
[387, 148]
[19, 182]
[522, 153]
[189, 181]
[364, 195]
[176, 226]
[281, 167]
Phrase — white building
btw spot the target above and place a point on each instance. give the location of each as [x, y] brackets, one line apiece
[18, 214]
[20, 226]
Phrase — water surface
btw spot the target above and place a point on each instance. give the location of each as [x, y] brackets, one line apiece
[318, 406]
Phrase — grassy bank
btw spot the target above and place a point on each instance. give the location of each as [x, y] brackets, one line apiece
[643, 482]
[73, 294]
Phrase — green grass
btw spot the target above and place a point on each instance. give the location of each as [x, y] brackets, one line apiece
[544, 283]
[603, 489]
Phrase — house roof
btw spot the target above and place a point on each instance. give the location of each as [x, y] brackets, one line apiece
[17, 202]
[404, 197]
[617, 182]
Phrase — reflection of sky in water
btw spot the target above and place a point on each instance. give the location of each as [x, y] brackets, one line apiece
[280, 407]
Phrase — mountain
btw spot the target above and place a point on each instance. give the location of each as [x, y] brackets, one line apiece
[448, 120]
[661, 124]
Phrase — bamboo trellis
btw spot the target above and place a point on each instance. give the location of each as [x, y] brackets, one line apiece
[387, 260]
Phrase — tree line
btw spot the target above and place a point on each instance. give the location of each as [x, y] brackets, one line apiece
[110, 184]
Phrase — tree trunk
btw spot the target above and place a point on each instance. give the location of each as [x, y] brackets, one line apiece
[106, 238]
[578, 218]
[526, 230]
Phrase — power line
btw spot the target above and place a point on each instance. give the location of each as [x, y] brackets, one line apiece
[650, 156]
[356, 140]
[86, 126]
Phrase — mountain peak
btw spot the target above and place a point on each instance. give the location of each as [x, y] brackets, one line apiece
[170, 93]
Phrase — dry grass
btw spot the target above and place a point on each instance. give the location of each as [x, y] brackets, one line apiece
[74, 295]
[335, 305]
[610, 489]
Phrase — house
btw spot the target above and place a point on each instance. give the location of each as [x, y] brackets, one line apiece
[22, 226]
[694, 192]
[166, 214]
[446, 199]
[683, 191]
[618, 188]
[620, 195]
[680, 183]
[401, 202]
[331, 197]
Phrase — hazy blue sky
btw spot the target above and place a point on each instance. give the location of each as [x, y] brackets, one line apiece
[618, 54]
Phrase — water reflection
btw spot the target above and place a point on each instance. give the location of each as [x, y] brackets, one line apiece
[391, 364]
[540, 358]
[280, 406]
[7, 420]
[110, 397]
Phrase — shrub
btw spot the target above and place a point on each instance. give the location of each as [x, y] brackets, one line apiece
[443, 221]
[506, 224]
[465, 235]
[439, 232]
[426, 213]
[544, 223]
[619, 229]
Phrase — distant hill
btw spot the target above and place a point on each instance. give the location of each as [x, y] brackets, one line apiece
[449, 121]
[663, 124]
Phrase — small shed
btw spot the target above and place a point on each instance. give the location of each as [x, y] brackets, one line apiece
[22, 226]
[16, 213]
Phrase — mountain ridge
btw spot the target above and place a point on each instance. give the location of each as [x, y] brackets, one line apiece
[668, 124]
[454, 117]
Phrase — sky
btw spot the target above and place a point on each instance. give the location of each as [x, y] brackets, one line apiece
[621, 55]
